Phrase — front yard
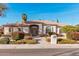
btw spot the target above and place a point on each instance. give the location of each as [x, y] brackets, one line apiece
[18, 38]
[62, 41]
[21, 38]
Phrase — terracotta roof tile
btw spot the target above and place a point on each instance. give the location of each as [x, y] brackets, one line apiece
[49, 22]
[15, 25]
[34, 21]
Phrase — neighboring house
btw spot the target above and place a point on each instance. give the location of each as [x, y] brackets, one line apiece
[35, 27]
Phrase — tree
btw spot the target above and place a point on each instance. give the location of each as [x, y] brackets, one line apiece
[68, 28]
[77, 27]
[57, 21]
[2, 9]
[24, 18]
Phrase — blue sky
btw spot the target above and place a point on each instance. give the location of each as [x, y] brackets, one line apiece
[67, 13]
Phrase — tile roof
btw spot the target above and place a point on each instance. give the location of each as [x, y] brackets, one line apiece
[49, 22]
[33, 22]
[15, 25]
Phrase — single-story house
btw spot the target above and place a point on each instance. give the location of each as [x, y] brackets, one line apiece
[34, 27]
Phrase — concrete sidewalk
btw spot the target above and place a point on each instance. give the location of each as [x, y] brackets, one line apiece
[37, 46]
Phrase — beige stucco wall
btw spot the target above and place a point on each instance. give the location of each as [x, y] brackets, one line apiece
[58, 30]
[54, 29]
[44, 29]
[40, 28]
[15, 29]
[6, 30]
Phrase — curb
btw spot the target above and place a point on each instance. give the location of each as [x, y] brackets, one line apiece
[38, 46]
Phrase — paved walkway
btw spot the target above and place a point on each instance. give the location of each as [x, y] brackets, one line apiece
[43, 41]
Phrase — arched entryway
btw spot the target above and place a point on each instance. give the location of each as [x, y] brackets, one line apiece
[34, 29]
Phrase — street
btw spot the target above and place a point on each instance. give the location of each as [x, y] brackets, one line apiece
[40, 52]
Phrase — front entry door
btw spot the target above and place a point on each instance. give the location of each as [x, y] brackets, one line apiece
[34, 30]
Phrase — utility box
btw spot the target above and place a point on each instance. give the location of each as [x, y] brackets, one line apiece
[53, 39]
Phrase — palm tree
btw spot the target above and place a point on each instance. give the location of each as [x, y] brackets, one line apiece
[2, 9]
[24, 18]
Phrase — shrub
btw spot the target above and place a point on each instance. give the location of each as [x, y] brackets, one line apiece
[59, 39]
[67, 41]
[69, 35]
[30, 41]
[25, 42]
[51, 33]
[12, 42]
[21, 35]
[62, 41]
[0, 34]
[19, 42]
[43, 35]
[17, 35]
[73, 35]
[48, 39]
[4, 41]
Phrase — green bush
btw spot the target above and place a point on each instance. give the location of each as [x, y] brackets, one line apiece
[21, 35]
[48, 39]
[66, 41]
[4, 41]
[69, 35]
[12, 42]
[43, 35]
[0, 34]
[73, 35]
[19, 42]
[51, 33]
[62, 41]
[18, 35]
[25, 42]
[30, 41]
[59, 39]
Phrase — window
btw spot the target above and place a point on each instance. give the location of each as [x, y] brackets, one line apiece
[9, 29]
